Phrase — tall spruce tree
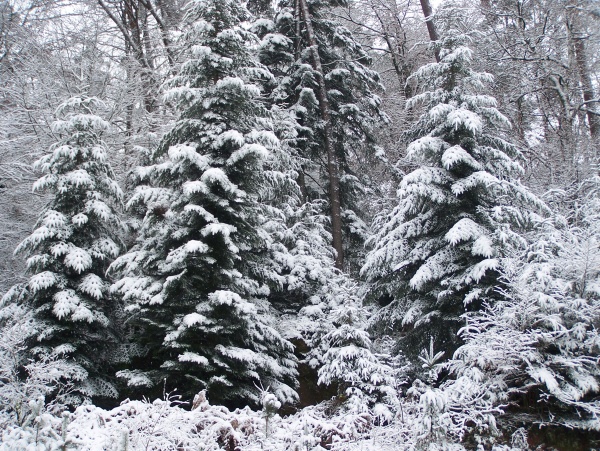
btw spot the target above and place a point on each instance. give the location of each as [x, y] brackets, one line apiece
[75, 240]
[325, 81]
[438, 252]
[197, 279]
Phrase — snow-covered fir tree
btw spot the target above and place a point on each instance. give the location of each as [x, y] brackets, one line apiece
[300, 266]
[75, 240]
[29, 385]
[437, 253]
[353, 106]
[535, 350]
[197, 279]
[354, 367]
[538, 345]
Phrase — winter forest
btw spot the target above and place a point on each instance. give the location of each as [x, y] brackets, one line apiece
[300, 225]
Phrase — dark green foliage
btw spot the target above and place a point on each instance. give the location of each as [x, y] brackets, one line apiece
[354, 107]
[197, 280]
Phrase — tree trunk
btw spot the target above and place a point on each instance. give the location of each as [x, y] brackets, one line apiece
[163, 31]
[131, 22]
[301, 180]
[588, 89]
[392, 48]
[332, 160]
[578, 35]
[433, 34]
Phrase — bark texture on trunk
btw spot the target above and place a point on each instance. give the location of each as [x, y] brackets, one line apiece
[589, 97]
[433, 34]
[332, 160]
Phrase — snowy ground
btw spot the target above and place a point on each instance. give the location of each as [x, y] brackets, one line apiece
[161, 425]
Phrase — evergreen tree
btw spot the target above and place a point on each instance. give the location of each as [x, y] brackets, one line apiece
[333, 104]
[437, 253]
[351, 363]
[75, 239]
[197, 279]
[302, 257]
[538, 345]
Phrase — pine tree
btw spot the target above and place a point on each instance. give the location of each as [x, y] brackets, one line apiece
[536, 348]
[351, 363]
[302, 257]
[325, 82]
[437, 253]
[75, 239]
[197, 279]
